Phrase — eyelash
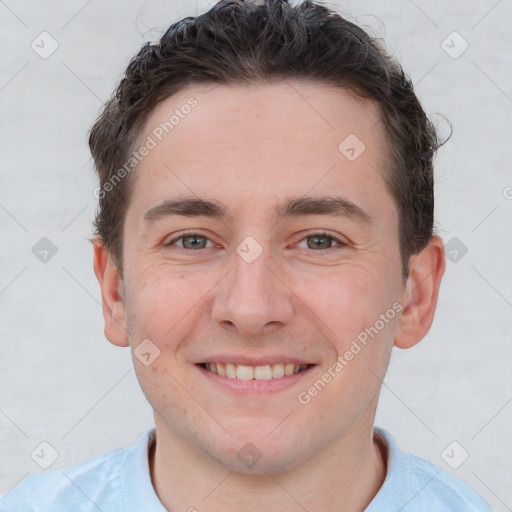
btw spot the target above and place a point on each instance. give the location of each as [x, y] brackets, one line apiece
[328, 234]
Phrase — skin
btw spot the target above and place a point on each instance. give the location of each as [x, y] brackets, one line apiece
[250, 148]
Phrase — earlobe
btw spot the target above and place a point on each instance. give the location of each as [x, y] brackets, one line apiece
[112, 296]
[420, 294]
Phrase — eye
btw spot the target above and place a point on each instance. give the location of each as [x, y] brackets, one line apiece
[189, 240]
[322, 241]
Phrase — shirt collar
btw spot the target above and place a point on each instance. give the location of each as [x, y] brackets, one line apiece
[139, 494]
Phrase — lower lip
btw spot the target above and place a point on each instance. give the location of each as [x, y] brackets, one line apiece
[255, 386]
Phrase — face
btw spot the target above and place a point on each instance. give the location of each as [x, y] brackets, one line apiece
[291, 258]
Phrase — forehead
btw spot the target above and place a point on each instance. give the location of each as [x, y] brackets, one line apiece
[241, 142]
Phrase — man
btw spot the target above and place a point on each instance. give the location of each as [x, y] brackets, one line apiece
[264, 238]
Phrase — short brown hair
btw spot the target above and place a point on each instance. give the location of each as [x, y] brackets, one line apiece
[239, 42]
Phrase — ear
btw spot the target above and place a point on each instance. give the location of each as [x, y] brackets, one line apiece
[419, 296]
[112, 296]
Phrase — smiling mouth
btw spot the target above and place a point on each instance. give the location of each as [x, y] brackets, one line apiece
[264, 372]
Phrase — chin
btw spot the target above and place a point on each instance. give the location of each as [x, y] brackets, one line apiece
[260, 464]
[258, 454]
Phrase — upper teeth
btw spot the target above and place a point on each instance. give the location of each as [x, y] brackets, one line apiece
[265, 372]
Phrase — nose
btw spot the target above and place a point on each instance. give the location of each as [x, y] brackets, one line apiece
[253, 298]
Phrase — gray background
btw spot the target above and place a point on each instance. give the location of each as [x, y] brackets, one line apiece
[61, 382]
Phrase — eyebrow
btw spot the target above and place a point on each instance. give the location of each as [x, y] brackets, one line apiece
[335, 206]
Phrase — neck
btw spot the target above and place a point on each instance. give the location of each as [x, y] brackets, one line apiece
[346, 476]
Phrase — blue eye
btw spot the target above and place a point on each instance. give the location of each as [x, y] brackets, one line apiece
[190, 241]
[322, 241]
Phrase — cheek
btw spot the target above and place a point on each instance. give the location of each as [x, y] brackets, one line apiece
[345, 301]
[164, 300]
[347, 307]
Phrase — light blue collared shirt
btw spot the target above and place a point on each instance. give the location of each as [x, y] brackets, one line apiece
[119, 481]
